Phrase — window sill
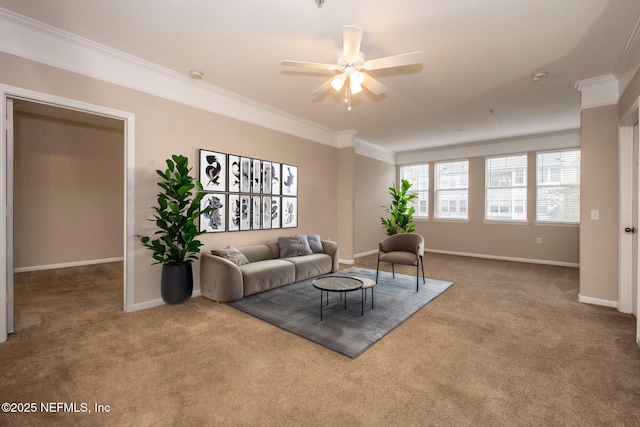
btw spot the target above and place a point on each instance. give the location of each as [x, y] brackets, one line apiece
[504, 222]
[461, 220]
[557, 224]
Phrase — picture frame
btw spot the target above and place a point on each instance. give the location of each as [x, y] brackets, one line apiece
[256, 212]
[234, 211]
[266, 177]
[275, 178]
[275, 212]
[289, 180]
[256, 176]
[245, 174]
[289, 211]
[233, 166]
[213, 170]
[266, 212]
[245, 209]
[214, 222]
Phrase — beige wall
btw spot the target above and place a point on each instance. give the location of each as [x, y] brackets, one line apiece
[599, 191]
[512, 241]
[69, 189]
[373, 178]
[163, 128]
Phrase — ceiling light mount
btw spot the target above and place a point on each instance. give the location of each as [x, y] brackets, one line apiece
[319, 3]
[540, 75]
[195, 74]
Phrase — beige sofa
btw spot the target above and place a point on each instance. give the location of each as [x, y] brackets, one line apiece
[228, 277]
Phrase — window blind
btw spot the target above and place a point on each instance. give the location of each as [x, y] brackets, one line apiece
[452, 190]
[558, 186]
[418, 176]
[506, 188]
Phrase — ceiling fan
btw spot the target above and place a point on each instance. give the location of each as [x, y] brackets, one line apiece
[351, 65]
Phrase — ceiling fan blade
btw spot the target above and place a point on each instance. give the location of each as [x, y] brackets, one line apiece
[373, 85]
[325, 86]
[395, 61]
[314, 65]
[351, 39]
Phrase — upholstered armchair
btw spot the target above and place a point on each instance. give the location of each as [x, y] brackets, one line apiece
[405, 249]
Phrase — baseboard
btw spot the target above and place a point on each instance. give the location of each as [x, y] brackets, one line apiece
[506, 258]
[496, 257]
[598, 301]
[360, 255]
[158, 302]
[347, 261]
[66, 265]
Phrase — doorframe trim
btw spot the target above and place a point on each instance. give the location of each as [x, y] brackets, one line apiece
[7, 91]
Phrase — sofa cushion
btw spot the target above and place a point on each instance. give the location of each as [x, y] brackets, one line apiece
[311, 265]
[294, 246]
[315, 243]
[232, 254]
[264, 275]
[256, 253]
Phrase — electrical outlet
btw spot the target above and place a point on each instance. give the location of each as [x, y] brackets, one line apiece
[595, 214]
[539, 240]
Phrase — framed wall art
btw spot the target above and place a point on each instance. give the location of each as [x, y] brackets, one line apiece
[248, 193]
[213, 222]
[289, 212]
[213, 171]
[245, 175]
[275, 212]
[239, 212]
[234, 173]
[266, 212]
[256, 176]
[256, 212]
[275, 178]
[266, 177]
[289, 180]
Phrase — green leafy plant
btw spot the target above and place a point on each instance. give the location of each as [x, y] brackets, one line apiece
[176, 215]
[401, 213]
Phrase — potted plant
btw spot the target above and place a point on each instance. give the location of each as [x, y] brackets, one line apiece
[176, 245]
[401, 213]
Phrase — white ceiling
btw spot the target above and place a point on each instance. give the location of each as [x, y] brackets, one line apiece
[475, 84]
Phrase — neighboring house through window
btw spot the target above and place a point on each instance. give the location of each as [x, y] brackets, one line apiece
[452, 190]
[418, 176]
[506, 188]
[558, 189]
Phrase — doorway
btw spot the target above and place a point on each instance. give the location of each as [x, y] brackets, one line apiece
[63, 106]
[629, 179]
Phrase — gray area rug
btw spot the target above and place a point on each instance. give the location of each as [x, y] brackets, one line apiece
[296, 308]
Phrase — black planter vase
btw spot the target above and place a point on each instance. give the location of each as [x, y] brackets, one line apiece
[176, 285]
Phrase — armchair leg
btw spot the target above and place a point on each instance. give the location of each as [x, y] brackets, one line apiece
[422, 263]
[393, 270]
[377, 268]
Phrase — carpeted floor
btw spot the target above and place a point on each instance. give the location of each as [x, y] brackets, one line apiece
[507, 345]
[345, 328]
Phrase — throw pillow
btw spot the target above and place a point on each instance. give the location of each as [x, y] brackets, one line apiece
[294, 246]
[232, 254]
[315, 244]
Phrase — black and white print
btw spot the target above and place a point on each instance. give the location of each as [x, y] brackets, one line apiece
[213, 171]
[234, 173]
[289, 180]
[214, 221]
[289, 212]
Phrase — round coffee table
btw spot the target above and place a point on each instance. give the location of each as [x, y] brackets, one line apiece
[337, 284]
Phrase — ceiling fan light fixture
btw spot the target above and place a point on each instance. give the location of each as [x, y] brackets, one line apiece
[338, 81]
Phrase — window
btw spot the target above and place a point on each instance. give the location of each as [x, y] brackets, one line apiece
[452, 189]
[558, 189]
[506, 188]
[418, 176]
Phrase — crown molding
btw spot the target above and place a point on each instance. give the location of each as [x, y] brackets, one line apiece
[36, 41]
[629, 62]
[598, 91]
[569, 138]
[367, 149]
